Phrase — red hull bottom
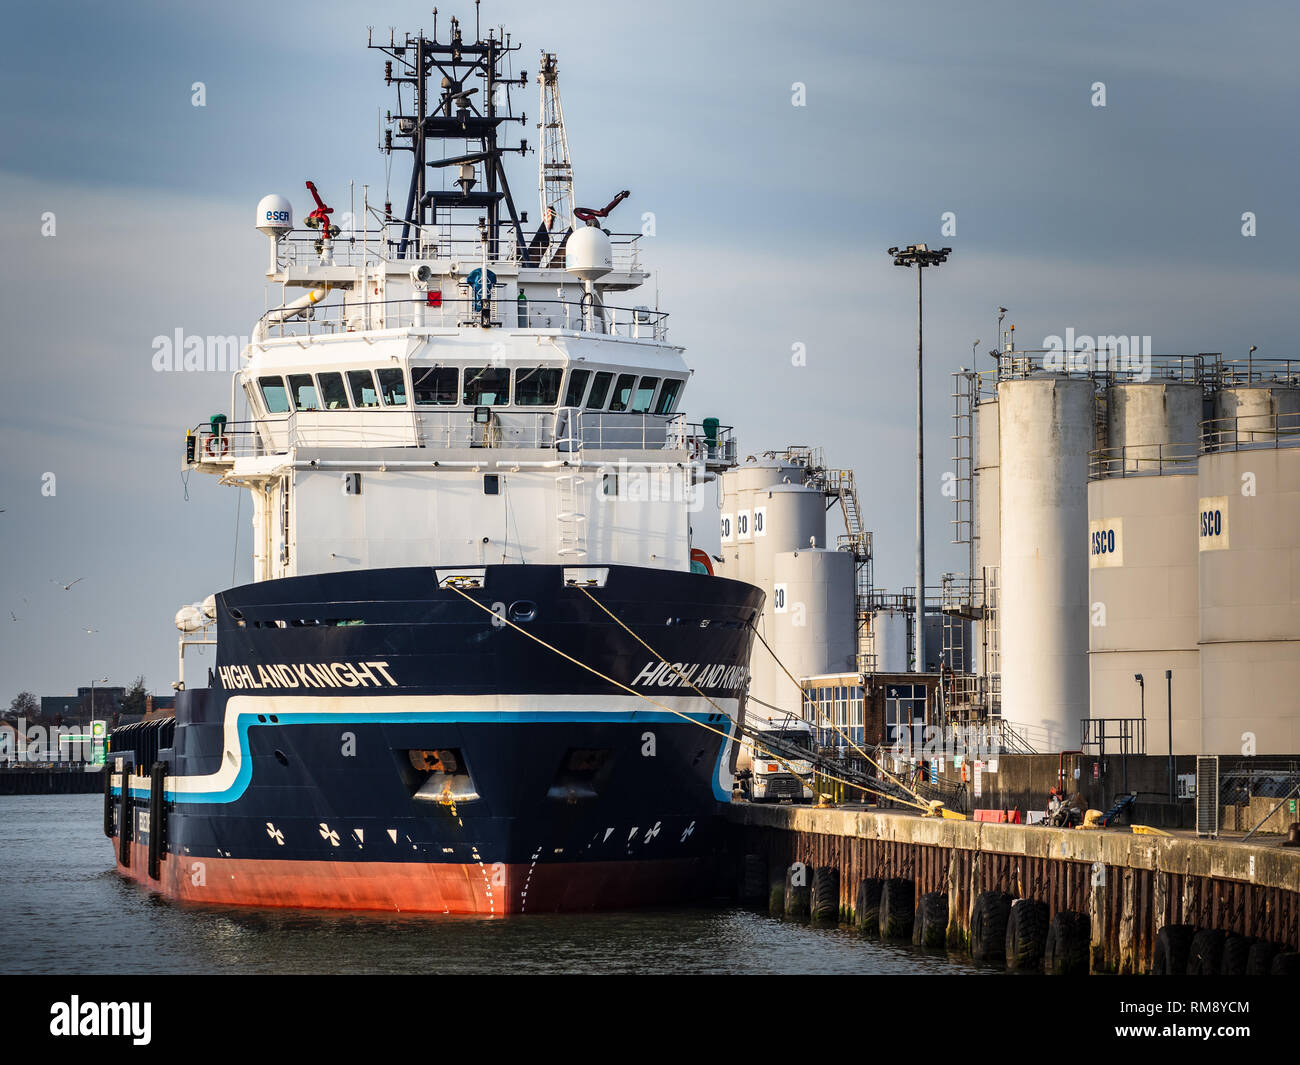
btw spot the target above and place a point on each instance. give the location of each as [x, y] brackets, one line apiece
[480, 889]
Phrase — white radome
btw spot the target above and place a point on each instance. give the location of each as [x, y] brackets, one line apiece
[274, 215]
[210, 608]
[589, 253]
[189, 618]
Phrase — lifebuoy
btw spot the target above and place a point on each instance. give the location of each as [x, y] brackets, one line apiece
[695, 448]
[217, 446]
[702, 557]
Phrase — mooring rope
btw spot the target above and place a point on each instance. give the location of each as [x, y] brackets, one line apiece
[866, 757]
[752, 745]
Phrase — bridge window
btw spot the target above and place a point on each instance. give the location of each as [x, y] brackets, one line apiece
[392, 387]
[623, 391]
[537, 386]
[599, 391]
[645, 394]
[364, 393]
[435, 386]
[274, 394]
[486, 386]
[303, 390]
[668, 395]
[332, 392]
[577, 387]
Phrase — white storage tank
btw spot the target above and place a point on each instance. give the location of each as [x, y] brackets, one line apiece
[1250, 413]
[1152, 425]
[1046, 429]
[1247, 521]
[813, 628]
[738, 533]
[783, 517]
[1142, 570]
[889, 640]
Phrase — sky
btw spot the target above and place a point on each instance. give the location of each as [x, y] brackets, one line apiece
[773, 207]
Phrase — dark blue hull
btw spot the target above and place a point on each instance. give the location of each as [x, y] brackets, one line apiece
[377, 740]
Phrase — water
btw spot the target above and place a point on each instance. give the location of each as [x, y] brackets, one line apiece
[68, 911]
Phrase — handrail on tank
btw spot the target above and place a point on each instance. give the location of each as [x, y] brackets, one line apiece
[1139, 460]
[1248, 431]
[1244, 371]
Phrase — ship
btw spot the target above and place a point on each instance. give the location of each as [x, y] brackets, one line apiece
[483, 665]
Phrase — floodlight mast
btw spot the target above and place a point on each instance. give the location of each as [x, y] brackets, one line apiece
[920, 256]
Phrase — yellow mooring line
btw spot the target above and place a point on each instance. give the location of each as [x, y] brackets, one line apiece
[619, 684]
[752, 746]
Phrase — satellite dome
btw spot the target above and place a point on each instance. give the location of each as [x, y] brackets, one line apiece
[588, 254]
[189, 618]
[274, 215]
[210, 608]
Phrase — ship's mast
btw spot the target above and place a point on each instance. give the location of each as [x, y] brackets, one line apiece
[470, 114]
[555, 172]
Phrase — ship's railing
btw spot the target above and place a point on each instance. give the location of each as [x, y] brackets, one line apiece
[1131, 460]
[1242, 431]
[354, 316]
[567, 431]
[455, 242]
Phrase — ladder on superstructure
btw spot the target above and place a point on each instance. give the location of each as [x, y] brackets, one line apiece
[570, 521]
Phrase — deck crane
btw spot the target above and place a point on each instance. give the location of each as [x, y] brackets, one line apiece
[555, 172]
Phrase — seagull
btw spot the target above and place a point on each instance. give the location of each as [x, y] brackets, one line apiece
[67, 586]
[13, 615]
[90, 631]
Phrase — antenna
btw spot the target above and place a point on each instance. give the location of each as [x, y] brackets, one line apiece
[459, 112]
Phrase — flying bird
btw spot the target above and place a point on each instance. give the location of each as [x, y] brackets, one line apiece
[67, 586]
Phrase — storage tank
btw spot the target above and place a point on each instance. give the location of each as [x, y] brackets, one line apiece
[1248, 524]
[1249, 413]
[785, 517]
[813, 627]
[889, 640]
[1150, 424]
[738, 487]
[1142, 576]
[1045, 429]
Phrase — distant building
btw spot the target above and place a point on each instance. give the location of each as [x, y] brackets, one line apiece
[68, 706]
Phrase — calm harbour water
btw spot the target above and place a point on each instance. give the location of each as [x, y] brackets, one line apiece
[67, 911]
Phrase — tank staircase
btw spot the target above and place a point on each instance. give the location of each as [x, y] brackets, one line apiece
[841, 486]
